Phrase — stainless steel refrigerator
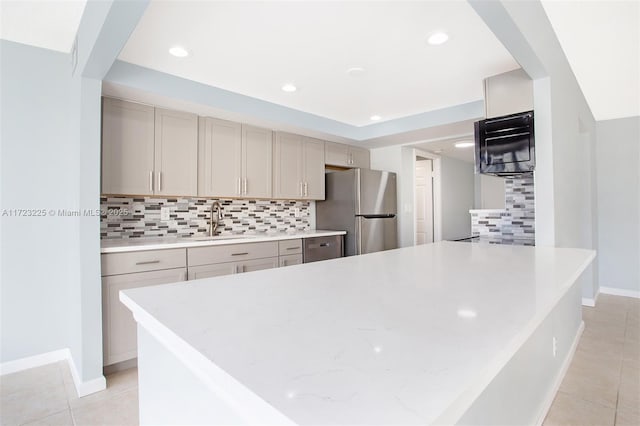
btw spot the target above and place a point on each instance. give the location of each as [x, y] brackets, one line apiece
[363, 203]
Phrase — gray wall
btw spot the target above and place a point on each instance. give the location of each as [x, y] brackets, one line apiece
[618, 190]
[39, 262]
[457, 182]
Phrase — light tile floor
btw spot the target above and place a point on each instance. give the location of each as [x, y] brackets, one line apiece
[602, 386]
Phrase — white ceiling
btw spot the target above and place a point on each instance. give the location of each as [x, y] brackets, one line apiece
[50, 24]
[446, 148]
[601, 40]
[253, 48]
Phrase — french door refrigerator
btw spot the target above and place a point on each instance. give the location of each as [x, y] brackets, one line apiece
[363, 203]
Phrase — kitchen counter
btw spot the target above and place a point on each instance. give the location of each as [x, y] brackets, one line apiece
[435, 333]
[139, 244]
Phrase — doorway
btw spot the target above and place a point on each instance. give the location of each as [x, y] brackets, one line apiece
[424, 200]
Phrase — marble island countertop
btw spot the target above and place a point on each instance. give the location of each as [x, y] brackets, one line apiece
[406, 336]
[139, 244]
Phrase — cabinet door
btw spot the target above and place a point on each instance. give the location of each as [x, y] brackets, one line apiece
[119, 327]
[127, 147]
[291, 259]
[287, 166]
[360, 157]
[214, 270]
[257, 164]
[176, 153]
[313, 169]
[336, 154]
[257, 264]
[219, 158]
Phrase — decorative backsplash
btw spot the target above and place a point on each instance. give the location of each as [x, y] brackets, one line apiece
[517, 221]
[140, 217]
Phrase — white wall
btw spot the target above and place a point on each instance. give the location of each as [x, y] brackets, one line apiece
[489, 192]
[618, 191]
[457, 188]
[40, 255]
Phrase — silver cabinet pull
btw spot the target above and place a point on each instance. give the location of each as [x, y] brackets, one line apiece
[245, 187]
[293, 248]
[239, 254]
[239, 186]
[301, 190]
[306, 187]
[159, 181]
[147, 262]
[151, 181]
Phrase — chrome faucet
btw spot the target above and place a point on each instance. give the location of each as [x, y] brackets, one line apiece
[213, 224]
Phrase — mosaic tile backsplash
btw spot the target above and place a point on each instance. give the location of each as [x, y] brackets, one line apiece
[517, 221]
[141, 217]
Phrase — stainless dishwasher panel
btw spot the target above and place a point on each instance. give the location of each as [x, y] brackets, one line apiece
[322, 248]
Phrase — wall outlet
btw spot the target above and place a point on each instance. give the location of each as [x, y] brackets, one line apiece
[164, 213]
[555, 347]
[296, 212]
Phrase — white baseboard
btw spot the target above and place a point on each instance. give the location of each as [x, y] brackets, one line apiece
[33, 361]
[82, 388]
[591, 302]
[620, 292]
[558, 380]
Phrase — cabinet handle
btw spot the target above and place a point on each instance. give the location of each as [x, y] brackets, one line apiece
[239, 254]
[239, 186]
[151, 181]
[235, 269]
[245, 187]
[306, 187]
[301, 189]
[293, 248]
[147, 262]
[159, 181]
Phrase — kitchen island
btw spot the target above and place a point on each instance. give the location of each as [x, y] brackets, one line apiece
[442, 333]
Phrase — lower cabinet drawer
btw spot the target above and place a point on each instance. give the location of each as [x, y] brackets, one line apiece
[118, 326]
[140, 261]
[288, 247]
[231, 253]
[291, 259]
[215, 270]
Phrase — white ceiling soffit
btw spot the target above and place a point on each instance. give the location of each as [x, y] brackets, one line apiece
[49, 24]
[601, 40]
[254, 48]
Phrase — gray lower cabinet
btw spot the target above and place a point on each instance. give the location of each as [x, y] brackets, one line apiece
[228, 268]
[289, 260]
[290, 252]
[118, 325]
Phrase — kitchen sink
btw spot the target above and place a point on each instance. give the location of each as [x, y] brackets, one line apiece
[221, 237]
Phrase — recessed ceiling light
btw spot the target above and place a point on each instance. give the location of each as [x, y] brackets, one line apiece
[179, 51]
[375, 118]
[355, 71]
[467, 313]
[437, 38]
[289, 88]
[464, 144]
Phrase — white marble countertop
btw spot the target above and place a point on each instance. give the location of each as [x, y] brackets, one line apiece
[407, 336]
[139, 244]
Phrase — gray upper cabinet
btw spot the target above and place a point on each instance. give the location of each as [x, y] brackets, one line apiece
[148, 151]
[219, 158]
[257, 164]
[234, 160]
[176, 153]
[127, 147]
[337, 154]
[298, 167]
[508, 93]
[313, 169]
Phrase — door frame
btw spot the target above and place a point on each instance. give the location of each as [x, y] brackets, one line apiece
[437, 194]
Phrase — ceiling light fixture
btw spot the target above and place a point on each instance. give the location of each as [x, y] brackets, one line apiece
[179, 52]
[375, 118]
[437, 38]
[355, 71]
[464, 144]
[290, 88]
[467, 313]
